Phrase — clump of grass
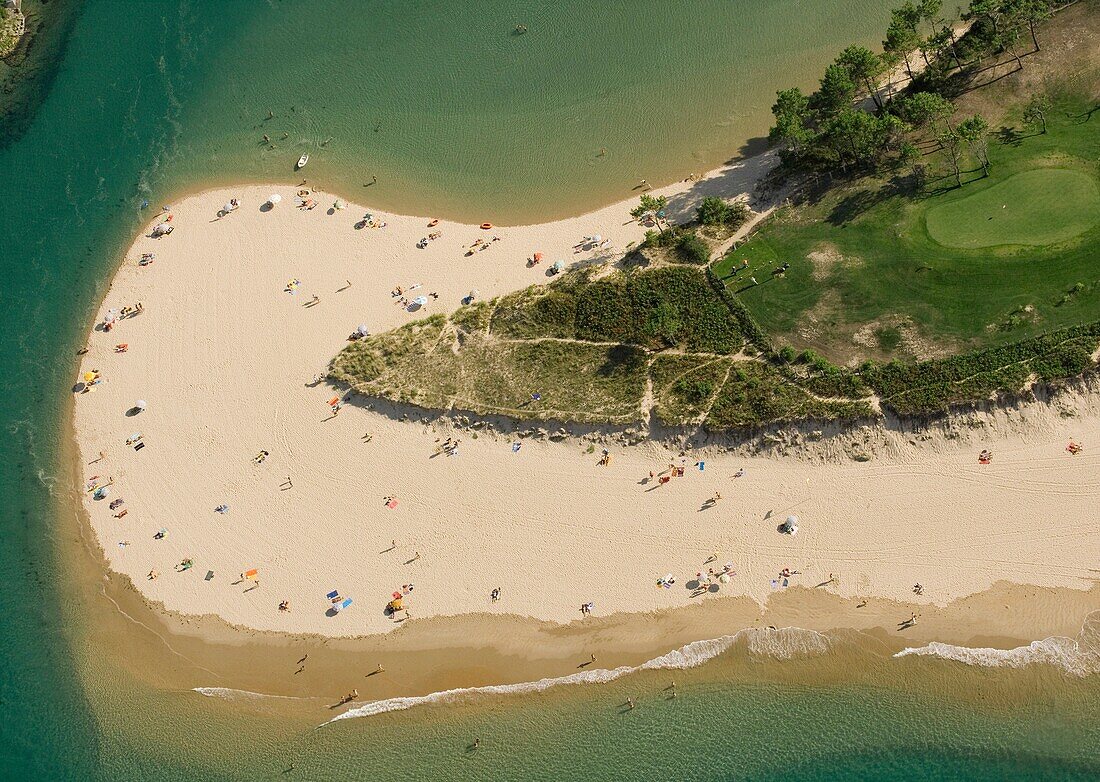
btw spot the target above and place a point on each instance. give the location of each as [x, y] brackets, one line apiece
[888, 338]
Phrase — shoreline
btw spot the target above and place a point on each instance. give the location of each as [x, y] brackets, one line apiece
[1038, 628]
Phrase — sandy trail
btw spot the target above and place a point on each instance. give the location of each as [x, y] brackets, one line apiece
[225, 356]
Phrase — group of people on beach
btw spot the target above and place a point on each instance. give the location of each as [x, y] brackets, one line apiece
[449, 447]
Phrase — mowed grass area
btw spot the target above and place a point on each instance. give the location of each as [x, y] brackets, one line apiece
[869, 277]
[1033, 208]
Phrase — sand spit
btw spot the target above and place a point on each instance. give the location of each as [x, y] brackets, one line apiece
[225, 354]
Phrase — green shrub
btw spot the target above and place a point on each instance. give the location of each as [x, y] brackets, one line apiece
[604, 313]
[692, 249]
[663, 323]
[715, 211]
[694, 391]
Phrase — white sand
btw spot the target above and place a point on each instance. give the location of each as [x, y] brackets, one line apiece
[224, 357]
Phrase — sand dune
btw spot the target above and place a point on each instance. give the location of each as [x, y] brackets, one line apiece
[225, 358]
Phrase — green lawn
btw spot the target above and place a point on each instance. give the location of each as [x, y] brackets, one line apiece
[871, 276]
[1034, 208]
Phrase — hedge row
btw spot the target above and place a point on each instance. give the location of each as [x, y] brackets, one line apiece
[934, 386]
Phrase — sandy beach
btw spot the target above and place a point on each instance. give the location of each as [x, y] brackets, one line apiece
[226, 359]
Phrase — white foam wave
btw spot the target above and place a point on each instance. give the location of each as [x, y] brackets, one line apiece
[1068, 654]
[784, 644]
[230, 694]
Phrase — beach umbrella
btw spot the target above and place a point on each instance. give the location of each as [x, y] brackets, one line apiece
[139, 405]
[89, 377]
[227, 208]
[558, 266]
[792, 519]
[362, 329]
[724, 578]
[274, 198]
[597, 238]
[340, 204]
[421, 300]
[538, 257]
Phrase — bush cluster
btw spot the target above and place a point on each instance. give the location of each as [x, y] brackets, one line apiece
[930, 387]
[715, 211]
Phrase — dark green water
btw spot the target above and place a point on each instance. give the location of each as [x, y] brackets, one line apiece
[154, 98]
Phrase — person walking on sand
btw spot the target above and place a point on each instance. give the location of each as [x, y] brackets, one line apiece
[379, 669]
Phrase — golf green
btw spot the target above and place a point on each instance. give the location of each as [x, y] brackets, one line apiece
[1035, 208]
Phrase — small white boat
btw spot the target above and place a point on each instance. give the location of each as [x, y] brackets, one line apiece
[302, 161]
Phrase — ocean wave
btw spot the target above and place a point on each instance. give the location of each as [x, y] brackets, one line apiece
[784, 644]
[1078, 656]
[229, 693]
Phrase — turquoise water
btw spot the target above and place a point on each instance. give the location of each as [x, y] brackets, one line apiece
[154, 98]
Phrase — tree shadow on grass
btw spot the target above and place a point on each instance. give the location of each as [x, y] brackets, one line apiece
[1010, 137]
[853, 205]
[950, 183]
[1086, 116]
[622, 360]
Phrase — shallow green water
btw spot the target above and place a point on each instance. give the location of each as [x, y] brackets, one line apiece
[153, 98]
